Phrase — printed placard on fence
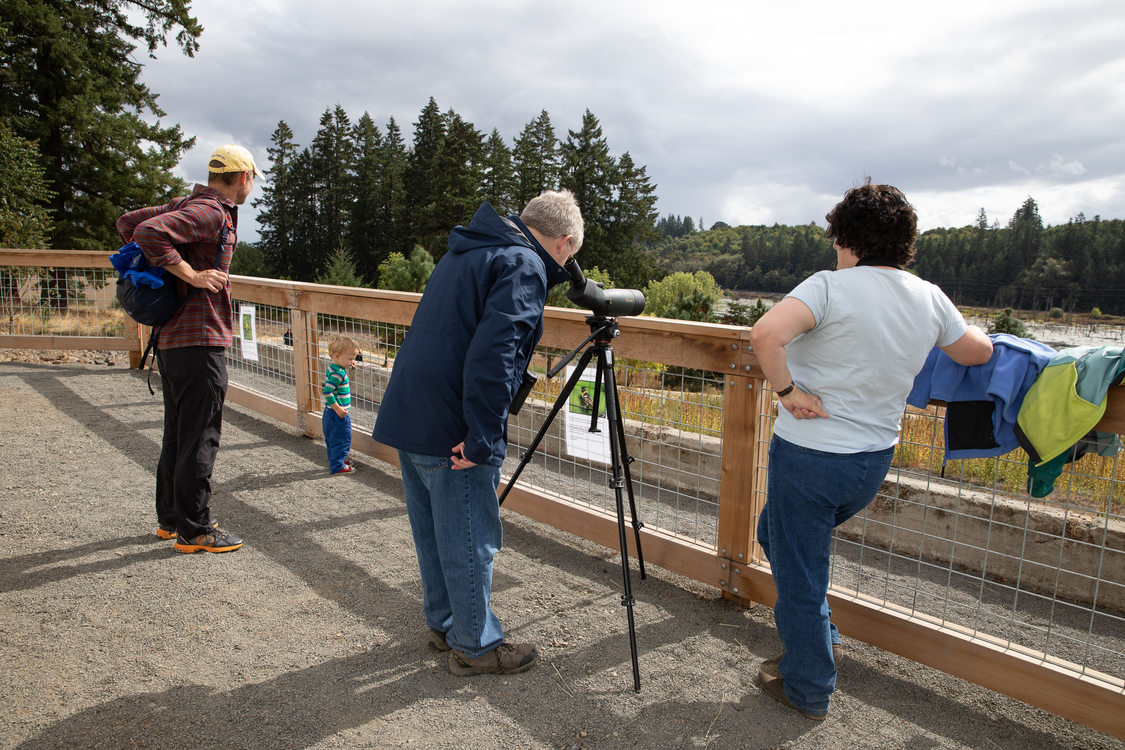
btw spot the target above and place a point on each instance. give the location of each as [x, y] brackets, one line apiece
[248, 332]
[580, 441]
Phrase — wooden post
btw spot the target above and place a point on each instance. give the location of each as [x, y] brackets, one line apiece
[135, 333]
[304, 363]
[740, 478]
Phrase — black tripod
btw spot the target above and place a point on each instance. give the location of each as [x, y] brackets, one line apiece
[602, 331]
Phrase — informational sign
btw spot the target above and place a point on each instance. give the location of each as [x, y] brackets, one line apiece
[580, 442]
[248, 332]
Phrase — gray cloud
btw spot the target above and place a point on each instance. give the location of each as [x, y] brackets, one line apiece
[765, 116]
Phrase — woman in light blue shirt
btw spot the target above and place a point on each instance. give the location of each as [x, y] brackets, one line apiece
[841, 351]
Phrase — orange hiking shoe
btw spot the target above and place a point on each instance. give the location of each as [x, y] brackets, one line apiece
[215, 540]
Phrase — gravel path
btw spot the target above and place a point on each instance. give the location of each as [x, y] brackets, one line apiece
[311, 636]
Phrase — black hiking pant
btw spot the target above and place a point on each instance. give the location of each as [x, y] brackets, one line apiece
[194, 382]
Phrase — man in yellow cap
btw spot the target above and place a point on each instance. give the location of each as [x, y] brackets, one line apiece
[193, 239]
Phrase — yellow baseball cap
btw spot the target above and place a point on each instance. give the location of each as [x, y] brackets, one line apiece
[233, 158]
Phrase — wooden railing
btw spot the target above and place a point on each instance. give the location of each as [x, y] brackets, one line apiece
[1093, 698]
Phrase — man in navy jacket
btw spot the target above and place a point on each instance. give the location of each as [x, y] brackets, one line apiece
[446, 411]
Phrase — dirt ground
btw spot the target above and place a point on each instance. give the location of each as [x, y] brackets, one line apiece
[311, 635]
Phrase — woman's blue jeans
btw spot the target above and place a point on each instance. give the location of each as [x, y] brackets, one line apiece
[810, 493]
[455, 519]
[337, 437]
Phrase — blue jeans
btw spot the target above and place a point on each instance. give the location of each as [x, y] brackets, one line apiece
[337, 437]
[810, 493]
[455, 519]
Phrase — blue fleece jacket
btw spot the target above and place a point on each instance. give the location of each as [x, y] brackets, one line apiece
[984, 400]
[470, 342]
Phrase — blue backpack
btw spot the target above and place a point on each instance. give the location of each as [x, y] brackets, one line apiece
[144, 291]
[147, 293]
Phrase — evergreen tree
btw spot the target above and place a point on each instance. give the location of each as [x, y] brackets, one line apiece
[69, 83]
[1024, 237]
[332, 161]
[738, 313]
[392, 225]
[590, 173]
[403, 274]
[25, 221]
[307, 242]
[420, 176]
[341, 270]
[693, 304]
[277, 205]
[248, 260]
[456, 181]
[632, 222]
[1007, 322]
[497, 179]
[363, 229]
[536, 159]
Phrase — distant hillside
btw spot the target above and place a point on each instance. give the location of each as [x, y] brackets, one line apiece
[1077, 266]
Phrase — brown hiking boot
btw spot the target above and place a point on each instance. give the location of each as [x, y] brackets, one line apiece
[437, 641]
[769, 667]
[774, 687]
[507, 658]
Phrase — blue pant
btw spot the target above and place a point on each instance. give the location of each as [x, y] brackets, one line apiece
[455, 518]
[337, 437]
[810, 493]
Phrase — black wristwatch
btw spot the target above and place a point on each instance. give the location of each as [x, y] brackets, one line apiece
[785, 391]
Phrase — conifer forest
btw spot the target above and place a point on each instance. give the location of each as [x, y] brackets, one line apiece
[81, 142]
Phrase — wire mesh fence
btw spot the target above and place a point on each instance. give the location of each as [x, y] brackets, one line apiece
[672, 423]
[59, 301]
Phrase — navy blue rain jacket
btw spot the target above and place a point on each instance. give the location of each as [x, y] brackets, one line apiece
[469, 344]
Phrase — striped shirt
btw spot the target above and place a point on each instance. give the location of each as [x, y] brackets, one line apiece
[337, 389]
[189, 229]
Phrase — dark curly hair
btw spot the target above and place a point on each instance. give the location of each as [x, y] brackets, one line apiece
[875, 221]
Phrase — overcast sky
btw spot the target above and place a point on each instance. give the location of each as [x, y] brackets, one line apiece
[748, 112]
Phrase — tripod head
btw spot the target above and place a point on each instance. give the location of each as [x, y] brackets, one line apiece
[614, 302]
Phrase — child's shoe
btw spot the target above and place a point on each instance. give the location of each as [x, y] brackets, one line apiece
[348, 469]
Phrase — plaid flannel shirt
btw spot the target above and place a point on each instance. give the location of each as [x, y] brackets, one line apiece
[188, 229]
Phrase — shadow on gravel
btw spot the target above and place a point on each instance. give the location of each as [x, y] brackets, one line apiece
[28, 571]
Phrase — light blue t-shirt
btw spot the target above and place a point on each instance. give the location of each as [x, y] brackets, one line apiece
[874, 329]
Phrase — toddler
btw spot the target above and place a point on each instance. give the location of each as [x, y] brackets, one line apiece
[337, 422]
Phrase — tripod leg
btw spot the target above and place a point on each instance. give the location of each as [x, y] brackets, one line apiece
[613, 415]
[564, 397]
[628, 459]
[597, 400]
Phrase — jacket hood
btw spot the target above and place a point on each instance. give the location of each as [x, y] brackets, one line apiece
[489, 229]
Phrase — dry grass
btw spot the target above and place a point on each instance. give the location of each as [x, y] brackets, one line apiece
[81, 320]
[1093, 482]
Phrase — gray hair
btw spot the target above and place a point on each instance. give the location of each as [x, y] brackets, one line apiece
[555, 213]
